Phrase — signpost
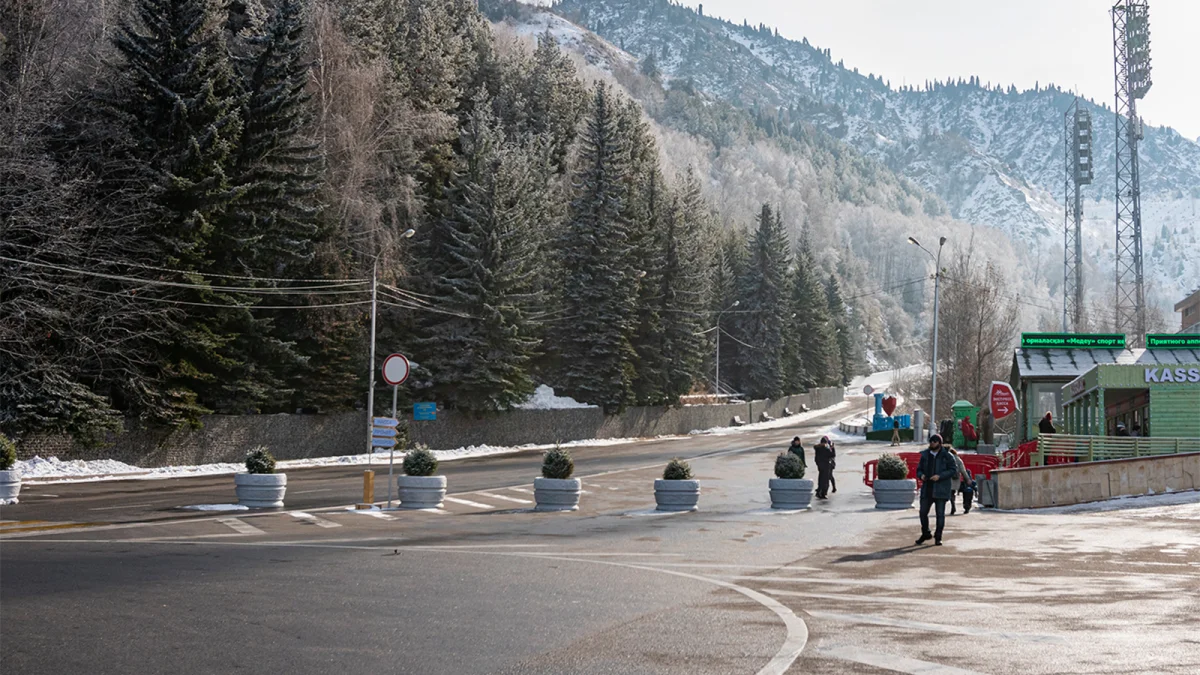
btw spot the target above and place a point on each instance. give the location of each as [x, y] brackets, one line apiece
[1072, 341]
[383, 433]
[1003, 400]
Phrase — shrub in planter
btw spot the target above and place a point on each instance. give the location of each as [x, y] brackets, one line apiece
[420, 488]
[260, 487]
[10, 480]
[676, 491]
[893, 488]
[556, 490]
[789, 489]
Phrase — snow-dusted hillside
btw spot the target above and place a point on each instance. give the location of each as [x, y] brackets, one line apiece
[993, 154]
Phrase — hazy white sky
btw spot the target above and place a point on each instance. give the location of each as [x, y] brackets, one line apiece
[1067, 42]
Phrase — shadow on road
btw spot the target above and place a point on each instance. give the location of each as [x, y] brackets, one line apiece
[877, 555]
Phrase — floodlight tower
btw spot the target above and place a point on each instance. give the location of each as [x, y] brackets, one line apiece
[1131, 52]
[1077, 140]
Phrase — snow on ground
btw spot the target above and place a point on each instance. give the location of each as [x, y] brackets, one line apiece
[773, 424]
[543, 398]
[881, 380]
[215, 507]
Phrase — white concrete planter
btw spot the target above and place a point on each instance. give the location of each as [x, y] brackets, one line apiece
[260, 490]
[557, 494]
[421, 492]
[895, 494]
[10, 487]
[791, 493]
[677, 495]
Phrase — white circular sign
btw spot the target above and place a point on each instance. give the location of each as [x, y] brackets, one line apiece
[395, 369]
[868, 390]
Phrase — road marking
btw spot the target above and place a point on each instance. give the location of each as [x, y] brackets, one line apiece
[240, 527]
[744, 567]
[319, 522]
[925, 627]
[893, 662]
[375, 514]
[807, 580]
[309, 492]
[467, 502]
[29, 526]
[520, 489]
[507, 499]
[19, 523]
[123, 506]
[883, 599]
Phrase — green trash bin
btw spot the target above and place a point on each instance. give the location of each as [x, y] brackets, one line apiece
[962, 409]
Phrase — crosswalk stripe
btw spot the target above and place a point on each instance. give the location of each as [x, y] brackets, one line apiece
[319, 522]
[239, 526]
[467, 502]
[507, 499]
[376, 514]
[515, 489]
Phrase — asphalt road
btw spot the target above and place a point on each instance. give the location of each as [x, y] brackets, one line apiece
[487, 586]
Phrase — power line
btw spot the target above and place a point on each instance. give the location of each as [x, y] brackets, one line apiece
[294, 290]
[132, 295]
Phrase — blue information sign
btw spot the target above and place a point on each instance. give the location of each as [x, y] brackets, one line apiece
[425, 411]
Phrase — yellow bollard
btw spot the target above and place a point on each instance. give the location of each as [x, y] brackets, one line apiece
[368, 491]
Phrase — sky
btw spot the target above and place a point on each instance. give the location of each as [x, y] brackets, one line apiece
[1021, 42]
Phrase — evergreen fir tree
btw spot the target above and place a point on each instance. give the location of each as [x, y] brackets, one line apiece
[842, 326]
[763, 290]
[684, 287]
[477, 342]
[811, 327]
[172, 111]
[555, 99]
[599, 284]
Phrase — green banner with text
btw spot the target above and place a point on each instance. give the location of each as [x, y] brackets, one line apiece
[1072, 341]
[1172, 341]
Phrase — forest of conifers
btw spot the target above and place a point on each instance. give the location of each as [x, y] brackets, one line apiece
[195, 196]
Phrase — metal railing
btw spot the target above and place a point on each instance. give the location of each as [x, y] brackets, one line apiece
[1063, 448]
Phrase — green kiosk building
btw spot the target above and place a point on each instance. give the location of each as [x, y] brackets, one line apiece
[1091, 382]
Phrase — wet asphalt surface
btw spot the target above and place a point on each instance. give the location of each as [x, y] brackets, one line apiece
[486, 586]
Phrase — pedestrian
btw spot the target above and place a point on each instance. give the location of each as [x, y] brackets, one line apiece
[934, 470]
[1121, 431]
[895, 433]
[970, 438]
[797, 448]
[963, 477]
[987, 425]
[823, 455]
[1046, 426]
[1135, 430]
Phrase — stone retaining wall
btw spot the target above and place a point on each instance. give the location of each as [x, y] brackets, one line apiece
[225, 438]
[1078, 483]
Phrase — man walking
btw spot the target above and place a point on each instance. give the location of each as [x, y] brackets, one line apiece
[935, 469]
[823, 453]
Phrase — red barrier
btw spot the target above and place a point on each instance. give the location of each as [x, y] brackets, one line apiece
[976, 464]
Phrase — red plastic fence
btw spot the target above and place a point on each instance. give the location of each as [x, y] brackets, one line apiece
[976, 464]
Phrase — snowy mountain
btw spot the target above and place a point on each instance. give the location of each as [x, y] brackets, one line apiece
[994, 154]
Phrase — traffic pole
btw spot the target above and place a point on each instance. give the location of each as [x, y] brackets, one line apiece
[392, 454]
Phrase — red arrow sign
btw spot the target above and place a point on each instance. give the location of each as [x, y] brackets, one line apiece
[1003, 400]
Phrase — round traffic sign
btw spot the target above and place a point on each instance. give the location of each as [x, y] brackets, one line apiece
[868, 390]
[395, 369]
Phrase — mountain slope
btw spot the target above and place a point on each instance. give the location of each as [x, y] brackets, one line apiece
[993, 154]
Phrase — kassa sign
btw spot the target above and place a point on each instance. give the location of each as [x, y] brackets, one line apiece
[1003, 400]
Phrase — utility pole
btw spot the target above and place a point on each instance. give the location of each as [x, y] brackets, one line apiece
[937, 287]
[717, 381]
[1077, 143]
[371, 367]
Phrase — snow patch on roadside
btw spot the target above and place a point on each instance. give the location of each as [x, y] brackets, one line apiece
[1185, 505]
[780, 423]
[543, 398]
[215, 507]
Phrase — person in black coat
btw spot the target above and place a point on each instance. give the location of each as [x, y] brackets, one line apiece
[797, 448]
[935, 469]
[1046, 426]
[823, 454]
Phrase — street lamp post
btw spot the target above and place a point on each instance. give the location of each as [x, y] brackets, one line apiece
[717, 382]
[407, 234]
[937, 278]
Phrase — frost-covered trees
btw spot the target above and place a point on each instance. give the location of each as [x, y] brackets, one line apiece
[763, 293]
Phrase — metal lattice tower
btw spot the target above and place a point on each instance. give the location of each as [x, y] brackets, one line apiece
[1131, 52]
[1077, 142]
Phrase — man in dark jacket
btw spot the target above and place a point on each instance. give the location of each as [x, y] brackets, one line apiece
[1046, 426]
[797, 448]
[935, 469]
[823, 453]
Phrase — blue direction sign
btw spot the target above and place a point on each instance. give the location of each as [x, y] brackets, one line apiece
[384, 422]
[383, 433]
[425, 411]
[383, 442]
